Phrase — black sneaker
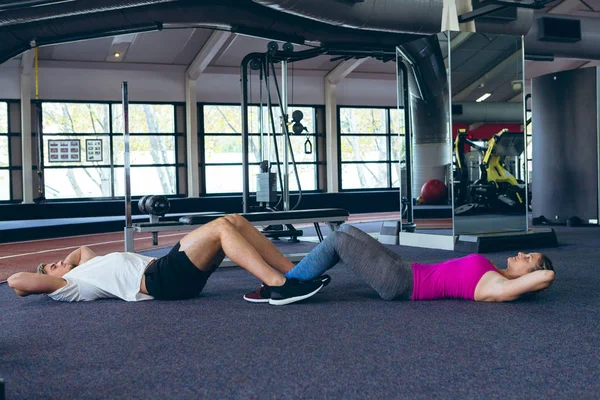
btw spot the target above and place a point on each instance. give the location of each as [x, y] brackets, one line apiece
[325, 279]
[294, 290]
[260, 295]
[263, 294]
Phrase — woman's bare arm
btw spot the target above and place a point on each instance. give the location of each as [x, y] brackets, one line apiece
[26, 283]
[511, 289]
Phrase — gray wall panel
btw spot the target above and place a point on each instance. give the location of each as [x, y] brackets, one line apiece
[565, 163]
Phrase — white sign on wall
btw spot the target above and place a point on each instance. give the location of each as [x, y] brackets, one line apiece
[64, 150]
[93, 149]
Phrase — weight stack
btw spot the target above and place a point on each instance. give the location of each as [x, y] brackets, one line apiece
[266, 191]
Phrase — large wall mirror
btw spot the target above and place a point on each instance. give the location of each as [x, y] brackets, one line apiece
[428, 166]
[466, 100]
[488, 131]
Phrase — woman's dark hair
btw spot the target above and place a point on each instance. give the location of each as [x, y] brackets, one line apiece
[545, 263]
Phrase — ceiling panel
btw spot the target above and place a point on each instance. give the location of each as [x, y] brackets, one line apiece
[243, 45]
[500, 86]
[376, 66]
[588, 5]
[461, 80]
[321, 63]
[194, 44]
[502, 43]
[460, 60]
[239, 48]
[87, 50]
[160, 47]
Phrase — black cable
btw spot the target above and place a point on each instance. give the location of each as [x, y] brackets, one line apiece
[287, 135]
[269, 105]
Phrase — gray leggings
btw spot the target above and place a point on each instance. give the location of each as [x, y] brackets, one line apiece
[381, 268]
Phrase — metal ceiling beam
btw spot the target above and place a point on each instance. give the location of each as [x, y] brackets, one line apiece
[27, 62]
[566, 7]
[587, 64]
[462, 95]
[457, 42]
[207, 53]
[16, 5]
[343, 69]
[516, 98]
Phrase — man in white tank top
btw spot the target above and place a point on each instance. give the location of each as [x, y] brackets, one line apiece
[181, 274]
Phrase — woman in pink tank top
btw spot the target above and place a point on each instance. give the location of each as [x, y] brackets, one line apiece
[472, 277]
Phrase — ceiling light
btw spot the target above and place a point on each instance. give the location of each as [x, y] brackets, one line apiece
[517, 86]
[117, 54]
[482, 98]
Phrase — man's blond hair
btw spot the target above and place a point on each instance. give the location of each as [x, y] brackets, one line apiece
[40, 269]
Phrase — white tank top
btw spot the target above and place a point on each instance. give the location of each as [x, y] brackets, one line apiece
[115, 275]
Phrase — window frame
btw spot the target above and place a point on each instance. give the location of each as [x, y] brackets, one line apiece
[202, 163]
[388, 135]
[111, 135]
[9, 135]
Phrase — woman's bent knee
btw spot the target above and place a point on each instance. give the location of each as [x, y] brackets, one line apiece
[344, 228]
[387, 296]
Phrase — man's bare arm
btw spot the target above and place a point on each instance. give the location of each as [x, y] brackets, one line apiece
[26, 283]
[80, 256]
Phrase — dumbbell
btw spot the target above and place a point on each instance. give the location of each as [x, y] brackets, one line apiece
[142, 204]
[157, 205]
[154, 205]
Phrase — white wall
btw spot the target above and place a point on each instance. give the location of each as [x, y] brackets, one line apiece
[364, 90]
[60, 80]
[70, 81]
[10, 84]
[225, 86]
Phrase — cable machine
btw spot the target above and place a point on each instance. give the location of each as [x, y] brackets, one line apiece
[267, 181]
[264, 66]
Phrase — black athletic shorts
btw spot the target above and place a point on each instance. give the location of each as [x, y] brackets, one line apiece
[174, 277]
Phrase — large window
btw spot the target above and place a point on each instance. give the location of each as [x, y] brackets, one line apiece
[4, 153]
[84, 149]
[223, 147]
[152, 149]
[371, 145]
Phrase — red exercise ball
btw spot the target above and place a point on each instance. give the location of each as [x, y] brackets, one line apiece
[433, 191]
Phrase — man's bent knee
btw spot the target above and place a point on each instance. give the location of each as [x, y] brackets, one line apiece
[236, 219]
[223, 223]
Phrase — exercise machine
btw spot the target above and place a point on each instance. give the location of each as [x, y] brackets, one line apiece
[496, 189]
[158, 206]
[267, 197]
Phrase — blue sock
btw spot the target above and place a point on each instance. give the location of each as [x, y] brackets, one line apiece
[319, 260]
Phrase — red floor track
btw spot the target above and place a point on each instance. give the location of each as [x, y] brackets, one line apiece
[25, 256]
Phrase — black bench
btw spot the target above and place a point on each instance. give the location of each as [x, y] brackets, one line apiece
[334, 217]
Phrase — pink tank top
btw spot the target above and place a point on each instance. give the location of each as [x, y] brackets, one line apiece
[455, 278]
